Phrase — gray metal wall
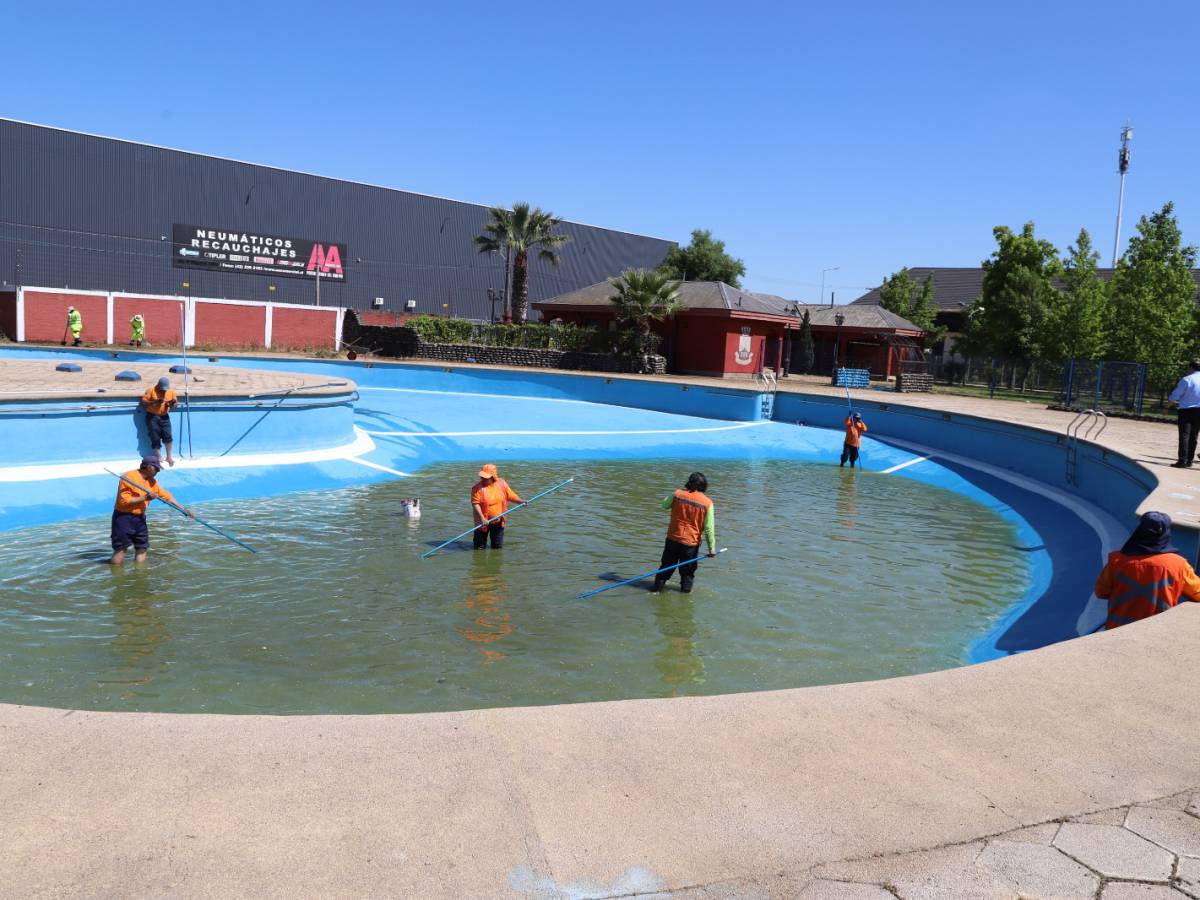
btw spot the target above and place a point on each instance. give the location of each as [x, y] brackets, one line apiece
[90, 213]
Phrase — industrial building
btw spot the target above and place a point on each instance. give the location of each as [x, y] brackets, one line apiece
[95, 214]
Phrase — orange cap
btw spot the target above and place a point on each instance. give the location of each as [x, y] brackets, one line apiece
[488, 471]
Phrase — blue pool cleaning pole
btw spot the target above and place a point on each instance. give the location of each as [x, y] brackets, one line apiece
[429, 553]
[184, 512]
[640, 577]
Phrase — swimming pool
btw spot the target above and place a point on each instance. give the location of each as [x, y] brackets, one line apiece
[917, 564]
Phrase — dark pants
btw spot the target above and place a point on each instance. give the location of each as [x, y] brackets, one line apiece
[1189, 430]
[849, 452]
[160, 430]
[495, 531]
[674, 552]
[128, 529]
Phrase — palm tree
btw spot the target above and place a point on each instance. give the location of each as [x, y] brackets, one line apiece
[521, 229]
[644, 296]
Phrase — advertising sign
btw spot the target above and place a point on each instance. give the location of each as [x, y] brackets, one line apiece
[226, 250]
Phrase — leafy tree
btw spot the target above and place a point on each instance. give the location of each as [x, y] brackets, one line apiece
[1075, 325]
[703, 260]
[523, 229]
[1153, 311]
[808, 351]
[1008, 317]
[642, 297]
[900, 294]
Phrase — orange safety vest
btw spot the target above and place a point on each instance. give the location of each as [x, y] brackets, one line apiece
[688, 512]
[129, 498]
[853, 432]
[493, 498]
[1137, 587]
[158, 404]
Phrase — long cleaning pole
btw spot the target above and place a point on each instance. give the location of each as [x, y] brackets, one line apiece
[183, 512]
[640, 577]
[429, 553]
[187, 403]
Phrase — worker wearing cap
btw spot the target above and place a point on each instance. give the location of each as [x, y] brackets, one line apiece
[129, 513]
[1147, 575]
[490, 497]
[855, 426]
[692, 517]
[137, 330]
[158, 401]
[75, 325]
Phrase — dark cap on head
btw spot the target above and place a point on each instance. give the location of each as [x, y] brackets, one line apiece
[1152, 535]
[696, 482]
[1195, 365]
[164, 382]
[152, 461]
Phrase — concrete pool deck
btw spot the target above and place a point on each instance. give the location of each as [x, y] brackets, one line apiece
[950, 784]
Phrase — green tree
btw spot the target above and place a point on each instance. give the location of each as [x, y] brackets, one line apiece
[1076, 322]
[1008, 318]
[642, 297]
[808, 350]
[1153, 310]
[703, 260]
[901, 295]
[521, 229]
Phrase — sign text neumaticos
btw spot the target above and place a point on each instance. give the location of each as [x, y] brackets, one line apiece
[225, 250]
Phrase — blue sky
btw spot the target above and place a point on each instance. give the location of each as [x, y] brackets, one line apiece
[869, 137]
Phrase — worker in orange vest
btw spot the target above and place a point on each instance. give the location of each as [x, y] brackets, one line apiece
[1147, 575]
[490, 497]
[692, 516]
[129, 512]
[158, 401]
[855, 426]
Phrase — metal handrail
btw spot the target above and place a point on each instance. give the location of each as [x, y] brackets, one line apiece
[1099, 423]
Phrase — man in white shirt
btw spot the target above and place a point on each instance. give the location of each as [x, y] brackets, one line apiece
[1187, 397]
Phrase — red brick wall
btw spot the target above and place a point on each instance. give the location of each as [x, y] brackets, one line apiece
[303, 328]
[8, 314]
[46, 316]
[388, 319]
[162, 320]
[231, 326]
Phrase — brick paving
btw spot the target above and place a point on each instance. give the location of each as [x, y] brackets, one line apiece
[37, 379]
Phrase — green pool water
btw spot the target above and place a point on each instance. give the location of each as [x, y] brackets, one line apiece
[831, 576]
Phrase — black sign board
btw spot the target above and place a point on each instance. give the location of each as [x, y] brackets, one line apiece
[226, 250]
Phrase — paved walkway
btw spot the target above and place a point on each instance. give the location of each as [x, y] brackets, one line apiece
[37, 379]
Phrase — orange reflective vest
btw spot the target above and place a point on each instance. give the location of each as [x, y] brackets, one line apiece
[688, 512]
[129, 498]
[1137, 587]
[493, 498]
[158, 402]
[854, 432]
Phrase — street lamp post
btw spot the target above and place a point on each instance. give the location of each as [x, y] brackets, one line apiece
[837, 343]
[823, 271]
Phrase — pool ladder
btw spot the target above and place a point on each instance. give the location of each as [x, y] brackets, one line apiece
[767, 385]
[1088, 424]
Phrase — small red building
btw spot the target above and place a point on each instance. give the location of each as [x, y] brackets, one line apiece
[730, 333]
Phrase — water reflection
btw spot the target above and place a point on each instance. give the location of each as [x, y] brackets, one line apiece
[484, 602]
[847, 499]
[677, 662]
[141, 630]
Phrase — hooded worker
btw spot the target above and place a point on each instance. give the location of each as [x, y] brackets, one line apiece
[490, 498]
[1147, 575]
[137, 330]
[75, 325]
[158, 401]
[855, 427]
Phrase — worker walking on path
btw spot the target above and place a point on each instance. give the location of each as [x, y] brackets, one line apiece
[75, 325]
[129, 514]
[855, 426]
[137, 330]
[1187, 397]
[490, 497]
[1147, 575]
[692, 516]
[158, 401]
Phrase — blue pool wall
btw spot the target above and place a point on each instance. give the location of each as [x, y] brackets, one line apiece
[36, 433]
